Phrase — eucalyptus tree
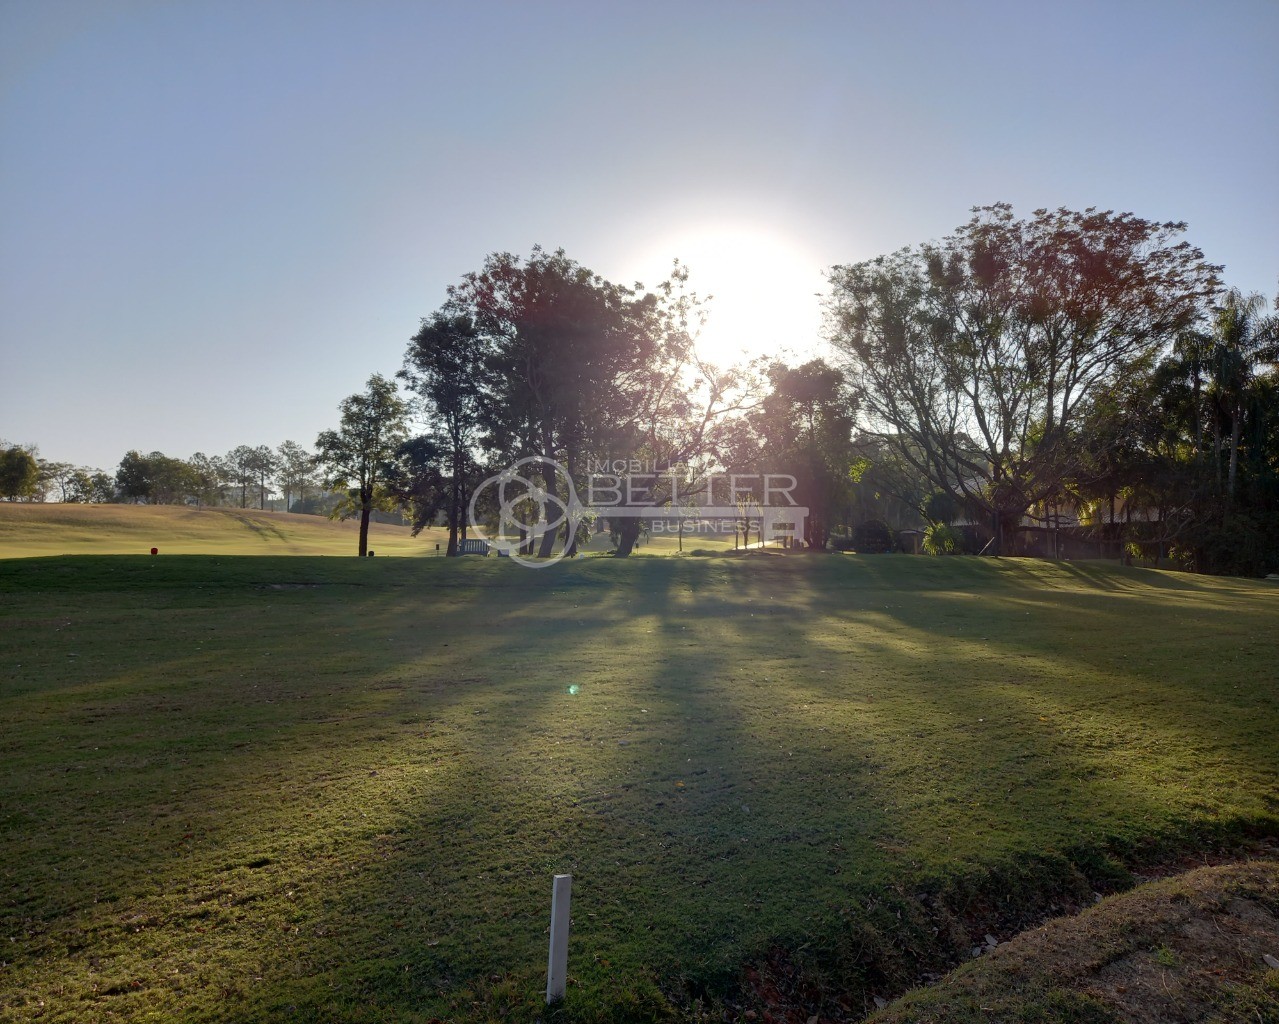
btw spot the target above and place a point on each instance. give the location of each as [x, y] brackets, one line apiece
[240, 464]
[56, 474]
[205, 476]
[262, 464]
[294, 467]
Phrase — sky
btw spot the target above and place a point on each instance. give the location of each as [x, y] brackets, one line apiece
[217, 219]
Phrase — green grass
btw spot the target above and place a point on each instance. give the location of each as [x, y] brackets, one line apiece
[29, 530]
[264, 789]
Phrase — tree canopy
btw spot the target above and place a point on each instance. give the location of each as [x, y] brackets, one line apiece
[976, 355]
[360, 454]
[19, 474]
[445, 366]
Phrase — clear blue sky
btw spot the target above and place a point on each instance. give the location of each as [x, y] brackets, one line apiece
[217, 219]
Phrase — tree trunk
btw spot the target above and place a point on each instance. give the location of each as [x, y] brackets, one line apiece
[1216, 450]
[570, 534]
[1236, 429]
[549, 483]
[1199, 419]
[627, 534]
[455, 513]
[451, 550]
[366, 508]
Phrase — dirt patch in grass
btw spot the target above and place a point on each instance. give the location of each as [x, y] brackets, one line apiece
[1192, 947]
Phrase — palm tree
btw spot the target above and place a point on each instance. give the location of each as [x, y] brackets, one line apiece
[1245, 337]
[1193, 350]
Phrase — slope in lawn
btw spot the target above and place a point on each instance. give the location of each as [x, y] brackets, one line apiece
[323, 789]
[1196, 947]
[47, 529]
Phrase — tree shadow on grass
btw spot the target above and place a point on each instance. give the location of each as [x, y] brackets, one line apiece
[754, 752]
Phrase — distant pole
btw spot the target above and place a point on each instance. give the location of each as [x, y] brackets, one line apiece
[557, 960]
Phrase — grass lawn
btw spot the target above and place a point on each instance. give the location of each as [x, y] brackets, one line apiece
[28, 530]
[309, 789]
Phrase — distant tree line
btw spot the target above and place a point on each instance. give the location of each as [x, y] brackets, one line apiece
[245, 477]
[1079, 368]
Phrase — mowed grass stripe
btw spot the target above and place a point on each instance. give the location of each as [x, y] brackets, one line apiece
[34, 530]
[259, 788]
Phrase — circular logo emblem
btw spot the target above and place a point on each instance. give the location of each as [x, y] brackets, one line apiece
[526, 510]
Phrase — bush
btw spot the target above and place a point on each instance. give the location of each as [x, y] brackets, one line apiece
[1239, 544]
[872, 537]
[940, 539]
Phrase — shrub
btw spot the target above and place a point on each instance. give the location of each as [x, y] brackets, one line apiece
[1239, 543]
[872, 537]
[940, 539]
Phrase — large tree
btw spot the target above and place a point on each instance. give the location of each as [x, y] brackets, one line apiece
[133, 477]
[805, 424]
[19, 474]
[155, 478]
[361, 453]
[445, 366]
[91, 486]
[295, 467]
[241, 464]
[975, 356]
[205, 477]
[263, 464]
[56, 475]
[574, 361]
[418, 481]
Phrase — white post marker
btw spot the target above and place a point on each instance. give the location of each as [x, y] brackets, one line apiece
[557, 961]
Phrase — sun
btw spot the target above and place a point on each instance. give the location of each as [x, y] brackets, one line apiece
[764, 288]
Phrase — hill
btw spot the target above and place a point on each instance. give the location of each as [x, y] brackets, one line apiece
[51, 529]
[29, 530]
